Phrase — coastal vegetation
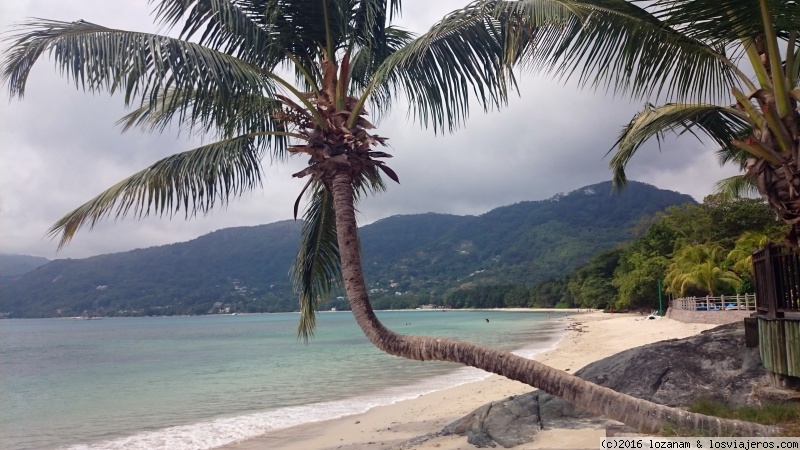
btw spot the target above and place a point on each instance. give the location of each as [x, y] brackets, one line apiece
[346, 55]
[694, 249]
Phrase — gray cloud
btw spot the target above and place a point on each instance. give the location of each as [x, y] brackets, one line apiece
[60, 147]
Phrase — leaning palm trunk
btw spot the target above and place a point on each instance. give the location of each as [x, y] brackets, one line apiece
[640, 414]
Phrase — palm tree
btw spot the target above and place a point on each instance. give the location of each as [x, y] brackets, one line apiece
[755, 120]
[221, 75]
[742, 253]
[698, 266]
[736, 186]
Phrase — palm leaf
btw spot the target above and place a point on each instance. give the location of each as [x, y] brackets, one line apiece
[736, 186]
[369, 20]
[622, 48]
[316, 270]
[463, 54]
[697, 265]
[224, 117]
[195, 180]
[366, 60]
[725, 21]
[296, 26]
[140, 64]
[721, 124]
[234, 27]
[731, 154]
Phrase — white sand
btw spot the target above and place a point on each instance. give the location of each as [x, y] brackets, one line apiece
[386, 427]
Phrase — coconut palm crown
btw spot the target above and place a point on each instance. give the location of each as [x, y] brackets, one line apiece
[225, 74]
[268, 78]
[699, 266]
[756, 121]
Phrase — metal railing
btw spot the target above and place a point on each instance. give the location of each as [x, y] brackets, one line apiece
[745, 302]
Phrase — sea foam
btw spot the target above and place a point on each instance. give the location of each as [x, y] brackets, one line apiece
[227, 430]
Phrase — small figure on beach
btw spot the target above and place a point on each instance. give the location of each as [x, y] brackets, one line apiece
[487, 319]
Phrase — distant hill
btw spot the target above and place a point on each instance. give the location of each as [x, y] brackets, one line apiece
[183, 278]
[521, 243]
[422, 255]
[13, 265]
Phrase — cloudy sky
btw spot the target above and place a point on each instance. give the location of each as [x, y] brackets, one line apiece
[59, 147]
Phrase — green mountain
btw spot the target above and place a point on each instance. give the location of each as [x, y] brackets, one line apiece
[13, 265]
[420, 256]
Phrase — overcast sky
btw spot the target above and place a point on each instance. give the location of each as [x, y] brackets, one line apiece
[59, 147]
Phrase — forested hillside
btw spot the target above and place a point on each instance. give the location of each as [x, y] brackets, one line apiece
[13, 265]
[409, 260]
[689, 250]
[524, 243]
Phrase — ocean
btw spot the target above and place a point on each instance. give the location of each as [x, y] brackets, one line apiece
[201, 382]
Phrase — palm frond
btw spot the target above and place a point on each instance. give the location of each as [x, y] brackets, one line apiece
[372, 183]
[234, 27]
[622, 48]
[721, 124]
[139, 64]
[368, 19]
[296, 26]
[724, 21]
[462, 55]
[736, 186]
[316, 270]
[731, 154]
[698, 266]
[226, 117]
[195, 181]
[742, 253]
[365, 62]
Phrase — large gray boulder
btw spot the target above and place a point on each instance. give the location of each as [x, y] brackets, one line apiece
[714, 365]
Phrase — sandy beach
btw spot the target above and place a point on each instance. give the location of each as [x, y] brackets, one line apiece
[589, 337]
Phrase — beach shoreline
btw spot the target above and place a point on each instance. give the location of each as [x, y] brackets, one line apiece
[588, 337]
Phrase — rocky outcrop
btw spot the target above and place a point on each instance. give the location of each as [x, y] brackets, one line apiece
[714, 365]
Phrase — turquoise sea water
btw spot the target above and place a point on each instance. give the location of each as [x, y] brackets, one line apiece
[199, 382]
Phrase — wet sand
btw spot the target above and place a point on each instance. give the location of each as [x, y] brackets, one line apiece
[589, 337]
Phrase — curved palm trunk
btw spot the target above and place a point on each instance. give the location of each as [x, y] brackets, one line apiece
[637, 413]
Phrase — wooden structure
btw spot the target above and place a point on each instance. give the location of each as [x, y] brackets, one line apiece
[777, 283]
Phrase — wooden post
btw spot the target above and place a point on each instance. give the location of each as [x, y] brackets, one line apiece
[777, 280]
[772, 294]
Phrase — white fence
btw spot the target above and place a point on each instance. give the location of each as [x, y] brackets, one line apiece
[746, 302]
